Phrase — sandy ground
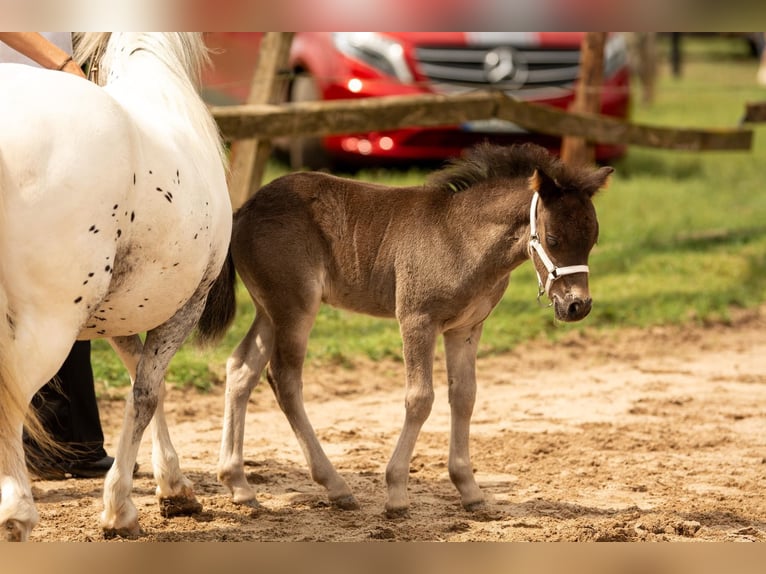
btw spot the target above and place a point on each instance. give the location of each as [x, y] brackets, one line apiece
[655, 435]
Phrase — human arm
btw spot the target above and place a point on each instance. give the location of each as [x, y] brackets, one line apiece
[36, 47]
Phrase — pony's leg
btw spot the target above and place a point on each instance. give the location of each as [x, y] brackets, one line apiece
[460, 349]
[123, 520]
[175, 492]
[285, 377]
[243, 371]
[419, 341]
[20, 378]
[18, 515]
[165, 463]
[119, 517]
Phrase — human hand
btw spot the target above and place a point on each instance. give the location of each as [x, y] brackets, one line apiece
[71, 67]
[38, 48]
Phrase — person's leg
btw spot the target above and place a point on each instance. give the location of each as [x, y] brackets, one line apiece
[83, 434]
[68, 410]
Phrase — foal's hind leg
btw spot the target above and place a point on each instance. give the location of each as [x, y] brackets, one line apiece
[291, 338]
[460, 349]
[119, 516]
[243, 371]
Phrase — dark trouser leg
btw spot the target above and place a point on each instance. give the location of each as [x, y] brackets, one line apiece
[68, 407]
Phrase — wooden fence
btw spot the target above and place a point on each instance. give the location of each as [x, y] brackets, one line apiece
[262, 119]
[755, 112]
[391, 112]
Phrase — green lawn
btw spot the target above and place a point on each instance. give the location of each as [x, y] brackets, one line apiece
[683, 236]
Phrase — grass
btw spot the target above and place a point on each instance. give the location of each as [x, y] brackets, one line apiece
[683, 237]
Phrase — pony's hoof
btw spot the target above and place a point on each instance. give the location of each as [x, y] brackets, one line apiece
[130, 532]
[347, 502]
[15, 531]
[179, 506]
[394, 513]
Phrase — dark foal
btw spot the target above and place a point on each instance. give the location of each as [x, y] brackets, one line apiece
[436, 257]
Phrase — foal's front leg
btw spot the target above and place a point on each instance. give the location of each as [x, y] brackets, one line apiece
[419, 341]
[460, 349]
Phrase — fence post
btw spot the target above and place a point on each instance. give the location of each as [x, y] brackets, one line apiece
[249, 156]
[574, 150]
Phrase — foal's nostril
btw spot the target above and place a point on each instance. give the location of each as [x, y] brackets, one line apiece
[579, 308]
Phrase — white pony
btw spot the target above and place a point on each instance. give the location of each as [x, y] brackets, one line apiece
[114, 220]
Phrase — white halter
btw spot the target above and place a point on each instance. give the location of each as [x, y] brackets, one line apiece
[535, 246]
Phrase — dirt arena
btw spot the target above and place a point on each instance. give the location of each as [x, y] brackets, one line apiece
[654, 435]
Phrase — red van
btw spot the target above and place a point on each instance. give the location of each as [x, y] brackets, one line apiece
[534, 66]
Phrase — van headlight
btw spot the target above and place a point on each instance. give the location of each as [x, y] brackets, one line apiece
[384, 54]
[615, 54]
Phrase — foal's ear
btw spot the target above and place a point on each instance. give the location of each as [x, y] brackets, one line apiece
[542, 184]
[600, 178]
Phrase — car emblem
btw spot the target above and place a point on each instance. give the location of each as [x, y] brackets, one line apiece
[499, 65]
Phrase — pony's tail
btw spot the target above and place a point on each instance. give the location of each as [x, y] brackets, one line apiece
[220, 306]
[14, 407]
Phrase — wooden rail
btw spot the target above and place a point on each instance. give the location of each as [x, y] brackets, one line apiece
[755, 112]
[392, 112]
[252, 126]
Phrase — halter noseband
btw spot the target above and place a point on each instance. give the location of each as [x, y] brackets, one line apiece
[535, 246]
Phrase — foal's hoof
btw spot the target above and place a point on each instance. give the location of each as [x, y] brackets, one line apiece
[179, 506]
[347, 502]
[478, 506]
[130, 532]
[250, 503]
[394, 513]
[244, 497]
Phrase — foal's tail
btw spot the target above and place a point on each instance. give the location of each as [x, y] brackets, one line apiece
[220, 307]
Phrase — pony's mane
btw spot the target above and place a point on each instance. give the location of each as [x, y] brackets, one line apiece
[180, 51]
[184, 54]
[486, 161]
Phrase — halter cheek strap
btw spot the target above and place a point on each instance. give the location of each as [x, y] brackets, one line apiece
[535, 246]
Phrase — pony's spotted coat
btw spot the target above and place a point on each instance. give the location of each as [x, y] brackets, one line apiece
[90, 248]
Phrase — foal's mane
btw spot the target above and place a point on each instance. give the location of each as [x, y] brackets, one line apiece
[486, 162]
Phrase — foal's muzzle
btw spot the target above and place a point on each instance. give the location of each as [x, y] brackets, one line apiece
[571, 308]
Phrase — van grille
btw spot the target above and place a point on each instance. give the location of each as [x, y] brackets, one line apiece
[520, 72]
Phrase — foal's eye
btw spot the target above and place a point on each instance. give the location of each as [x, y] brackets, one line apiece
[552, 241]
